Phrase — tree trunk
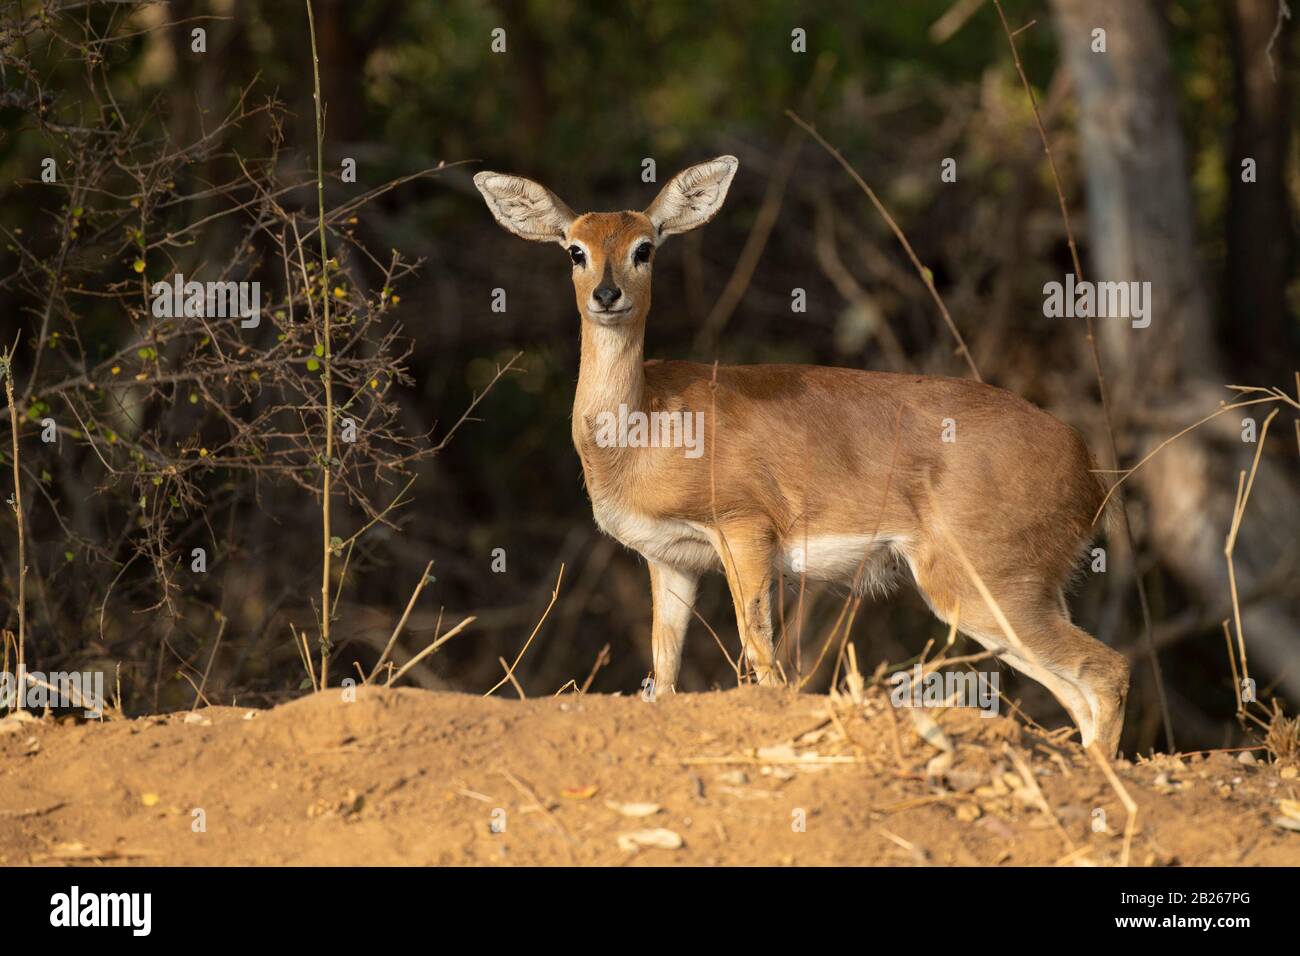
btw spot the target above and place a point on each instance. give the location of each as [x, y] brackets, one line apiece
[1255, 327]
[1140, 227]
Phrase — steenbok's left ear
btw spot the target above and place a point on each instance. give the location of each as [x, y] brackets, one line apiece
[692, 197]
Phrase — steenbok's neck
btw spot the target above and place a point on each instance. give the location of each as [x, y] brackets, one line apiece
[610, 372]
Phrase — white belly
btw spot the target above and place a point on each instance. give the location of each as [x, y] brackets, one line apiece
[682, 544]
[869, 561]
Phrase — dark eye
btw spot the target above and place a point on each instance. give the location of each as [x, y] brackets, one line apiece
[642, 254]
[577, 255]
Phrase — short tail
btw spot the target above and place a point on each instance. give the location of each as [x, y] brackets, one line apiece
[1108, 516]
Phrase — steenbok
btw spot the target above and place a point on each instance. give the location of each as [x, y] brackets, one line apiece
[840, 475]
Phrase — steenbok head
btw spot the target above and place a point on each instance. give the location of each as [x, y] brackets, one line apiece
[612, 252]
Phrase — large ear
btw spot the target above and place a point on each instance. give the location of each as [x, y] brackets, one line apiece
[692, 197]
[526, 208]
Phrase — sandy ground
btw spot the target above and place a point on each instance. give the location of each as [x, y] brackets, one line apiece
[741, 777]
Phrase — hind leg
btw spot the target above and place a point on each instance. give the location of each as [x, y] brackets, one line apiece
[1106, 672]
[1089, 679]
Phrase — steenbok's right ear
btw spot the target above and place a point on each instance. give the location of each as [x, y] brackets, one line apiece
[526, 208]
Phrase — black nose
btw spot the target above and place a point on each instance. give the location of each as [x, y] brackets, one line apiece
[606, 295]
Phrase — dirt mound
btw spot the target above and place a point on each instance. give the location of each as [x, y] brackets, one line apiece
[746, 776]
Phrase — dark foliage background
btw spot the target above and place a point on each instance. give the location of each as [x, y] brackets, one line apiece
[585, 92]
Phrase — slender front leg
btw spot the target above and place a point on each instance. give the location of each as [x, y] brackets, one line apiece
[673, 593]
[748, 552]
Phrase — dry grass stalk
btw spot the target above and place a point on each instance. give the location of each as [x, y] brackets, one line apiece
[1282, 737]
[993, 606]
[1127, 473]
[601, 660]
[6, 638]
[511, 669]
[216, 645]
[1107, 418]
[733, 663]
[401, 623]
[1130, 807]
[853, 600]
[437, 643]
[304, 654]
[327, 466]
[1244, 486]
[765, 220]
[7, 373]
[926, 275]
[510, 676]
[1040, 800]
[1232, 662]
[537, 802]
[729, 566]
